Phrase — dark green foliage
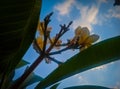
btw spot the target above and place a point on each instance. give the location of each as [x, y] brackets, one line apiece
[18, 22]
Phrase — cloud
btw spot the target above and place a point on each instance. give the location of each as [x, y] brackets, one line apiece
[81, 79]
[102, 1]
[78, 76]
[103, 66]
[88, 16]
[114, 13]
[117, 86]
[99, 67]
[64, 8]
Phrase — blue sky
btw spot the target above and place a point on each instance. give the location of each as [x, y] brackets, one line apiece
[102, 18]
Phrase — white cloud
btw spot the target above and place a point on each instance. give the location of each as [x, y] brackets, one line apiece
[81, 79]
[117, 86]
[103, 66]
[88, 16]
[65, 7]
[114, 13]
[102, 1]
[99, 67]
[88, 13]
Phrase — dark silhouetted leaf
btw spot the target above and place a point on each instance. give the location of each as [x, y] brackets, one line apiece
[18, 23]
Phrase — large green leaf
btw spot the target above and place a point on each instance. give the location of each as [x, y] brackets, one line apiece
[18, 22]
[87, 87]
[96, 55]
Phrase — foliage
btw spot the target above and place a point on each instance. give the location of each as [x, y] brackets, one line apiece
[19, 20]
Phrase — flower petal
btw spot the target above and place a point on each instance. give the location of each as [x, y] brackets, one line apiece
[40, 42]
[91, 39]
[84, 35]
[78, 31]
[40, 27]
[83, 48]
[85, 32]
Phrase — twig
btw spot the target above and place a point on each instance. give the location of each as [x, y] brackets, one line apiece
[64, 29]
[56, 61]
[47, 20]
[59, 51]
[64, 44]
[71, 46]
[50, 39]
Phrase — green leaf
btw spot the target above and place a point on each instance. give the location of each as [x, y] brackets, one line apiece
[101, 53]
[32, 78]
[87, 87]
[18, 23]
[22, 63]
[55, 86]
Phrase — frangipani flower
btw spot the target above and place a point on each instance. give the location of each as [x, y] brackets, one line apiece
[84, 38]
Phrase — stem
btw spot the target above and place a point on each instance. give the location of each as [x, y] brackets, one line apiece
[58, 52]
[19, 82]
[46, 20]
[50, 39]
[56, 61]
[70, 46]
[64, 44]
